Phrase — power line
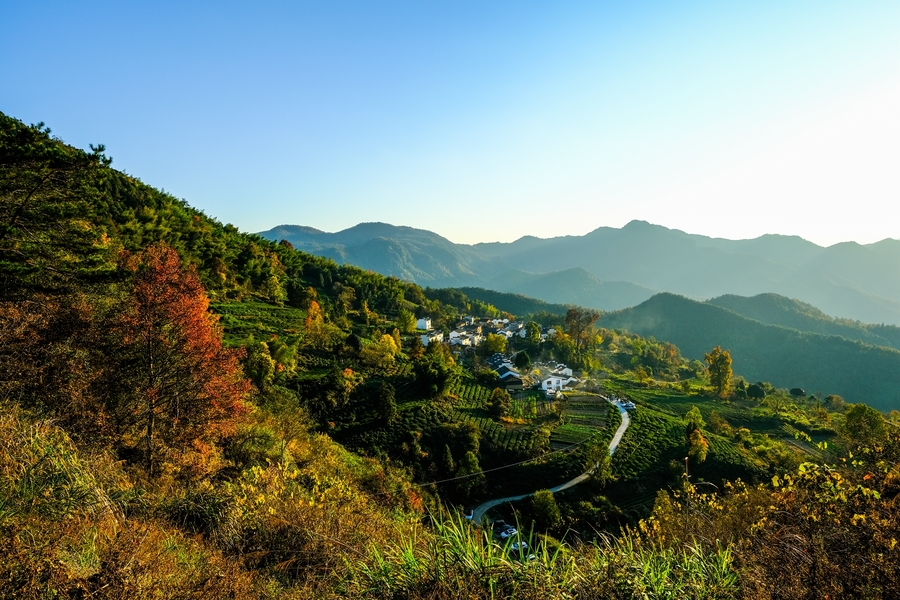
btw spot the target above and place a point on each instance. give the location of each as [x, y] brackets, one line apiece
[521, 462]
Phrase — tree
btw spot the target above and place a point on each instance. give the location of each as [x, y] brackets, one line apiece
[46, 191]
[469, 466]
[580, 326]
[406, 321]
[385, 402]
[698, 447]
[434, 369]
[522, 360]
[492, 344]
[777, 402]
[260, 366]
[719, 362]
[415, 349]
[315, 324]
[533, 333]
[864, 425]
[177, 382]
[693, 419]
[546, 510]
[380, 354]
[717, 423]
[756, 391]
[836, 403]
[499, 402]
[598, 460]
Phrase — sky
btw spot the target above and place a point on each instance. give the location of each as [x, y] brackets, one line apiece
[482, 121]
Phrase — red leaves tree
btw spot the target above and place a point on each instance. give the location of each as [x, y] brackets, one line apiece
[176, 383]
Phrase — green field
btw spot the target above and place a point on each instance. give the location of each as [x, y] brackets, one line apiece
[244, 319]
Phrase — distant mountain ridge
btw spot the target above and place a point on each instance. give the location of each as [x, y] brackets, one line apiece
[628, 265]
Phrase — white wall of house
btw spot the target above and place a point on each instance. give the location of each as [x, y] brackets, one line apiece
[553, 383]
[424, 323]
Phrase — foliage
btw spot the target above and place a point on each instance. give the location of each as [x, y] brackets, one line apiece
[499, 402]
[176, 384]
[46, 190]
[255, 501]
[719, 365]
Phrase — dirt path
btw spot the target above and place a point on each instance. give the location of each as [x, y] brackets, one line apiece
[479, 512]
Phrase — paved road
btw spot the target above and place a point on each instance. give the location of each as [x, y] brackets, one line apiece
[478, 513]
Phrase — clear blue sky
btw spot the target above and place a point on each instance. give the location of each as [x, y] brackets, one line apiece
[482, 121]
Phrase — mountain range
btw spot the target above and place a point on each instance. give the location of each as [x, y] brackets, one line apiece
[611, 268]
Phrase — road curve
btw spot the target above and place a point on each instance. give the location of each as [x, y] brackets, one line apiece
[480, 510]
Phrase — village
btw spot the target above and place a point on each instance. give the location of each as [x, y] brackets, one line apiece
[551, 377]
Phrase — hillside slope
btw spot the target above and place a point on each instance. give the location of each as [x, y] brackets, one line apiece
[785, 357]
[773, 309]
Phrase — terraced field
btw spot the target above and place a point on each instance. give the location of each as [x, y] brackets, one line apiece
[243, 319]
[583, 416]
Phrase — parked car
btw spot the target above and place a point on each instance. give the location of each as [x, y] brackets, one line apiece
[519, 546]
[508, 532]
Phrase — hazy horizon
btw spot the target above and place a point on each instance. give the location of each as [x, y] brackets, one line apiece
[570, 234]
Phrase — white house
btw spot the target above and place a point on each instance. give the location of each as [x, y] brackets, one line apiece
[563, 370]
[557, 383]
[424, 323]
[432, 336]
[553, 383]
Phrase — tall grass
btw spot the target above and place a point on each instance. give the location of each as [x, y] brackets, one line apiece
[458, 560]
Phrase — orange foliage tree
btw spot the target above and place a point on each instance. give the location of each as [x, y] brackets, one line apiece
[177, 384]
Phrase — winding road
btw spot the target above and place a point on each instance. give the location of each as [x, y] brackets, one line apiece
[478, 513]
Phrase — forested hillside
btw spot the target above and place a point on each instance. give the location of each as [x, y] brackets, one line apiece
[827, 364]
[773, 309]
[189, 411]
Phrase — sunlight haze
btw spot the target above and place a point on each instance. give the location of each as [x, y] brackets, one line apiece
[483, 122]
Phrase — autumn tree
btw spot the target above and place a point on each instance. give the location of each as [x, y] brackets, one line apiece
[406, 321]
[580, 326]
[380, 354]
[416, 349]
[697, 445]
[176, 383]
[719, 362]
[492, 344]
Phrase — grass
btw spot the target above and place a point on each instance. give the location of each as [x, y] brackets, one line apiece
[461, 559]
